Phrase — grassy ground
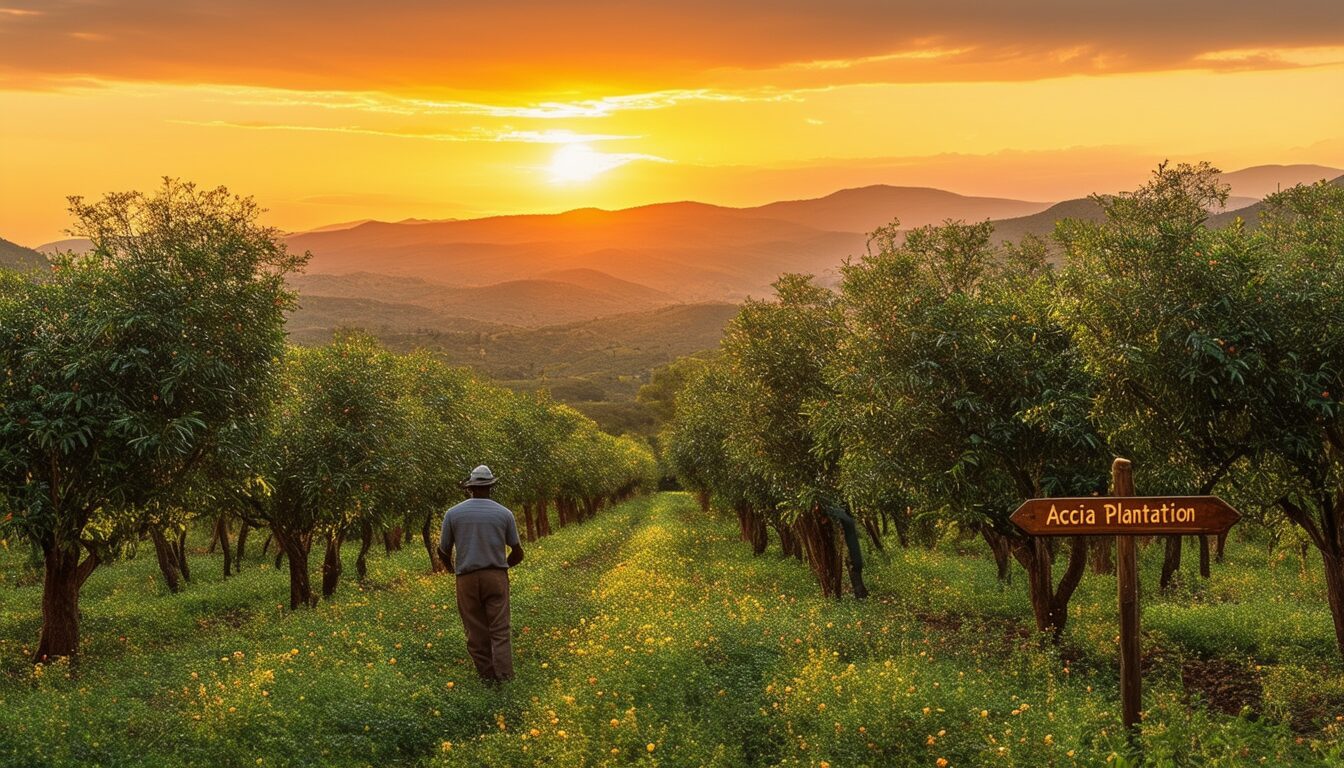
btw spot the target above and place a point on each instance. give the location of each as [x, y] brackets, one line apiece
[650, 636]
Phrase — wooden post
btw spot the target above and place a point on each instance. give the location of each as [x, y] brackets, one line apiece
[1127, 579]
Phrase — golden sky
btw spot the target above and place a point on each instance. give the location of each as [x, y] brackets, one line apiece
[338, 110]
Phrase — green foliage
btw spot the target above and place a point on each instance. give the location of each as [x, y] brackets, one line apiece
[1165, 313]
[332, 441]
[122, 364]
[954, 383]
[780, 350]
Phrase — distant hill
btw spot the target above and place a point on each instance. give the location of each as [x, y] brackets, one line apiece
[1251, 214]
[565, 296]
[1248, 186]
[1261, 180]
[16, 257]
[601, 281]
[319, 316]
[76, 244]
[867, 208]
[1043, 223]
[686, 250]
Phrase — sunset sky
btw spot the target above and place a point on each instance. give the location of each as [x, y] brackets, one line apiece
[337, 110]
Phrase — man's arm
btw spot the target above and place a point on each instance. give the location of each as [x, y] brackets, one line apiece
[515, 546]
[446, 544]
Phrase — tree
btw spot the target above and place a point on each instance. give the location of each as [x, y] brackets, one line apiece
[122, 365]
[1165, 313]
[443, 437]
[1301, 382]
[955, 382]
[779, 351]
[697, 449]
[659, 395]
[327, 452]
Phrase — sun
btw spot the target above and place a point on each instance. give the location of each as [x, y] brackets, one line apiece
[574, 163]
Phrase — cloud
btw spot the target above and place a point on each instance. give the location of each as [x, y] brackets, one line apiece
[475, 134]
[546, 49]
[381, 103]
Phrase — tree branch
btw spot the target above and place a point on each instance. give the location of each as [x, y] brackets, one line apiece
[1300, 516]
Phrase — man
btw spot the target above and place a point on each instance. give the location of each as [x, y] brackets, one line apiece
[480, 529]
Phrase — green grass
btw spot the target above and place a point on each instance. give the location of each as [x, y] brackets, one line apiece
[650, 636]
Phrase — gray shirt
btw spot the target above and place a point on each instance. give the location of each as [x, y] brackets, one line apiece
[479, 528]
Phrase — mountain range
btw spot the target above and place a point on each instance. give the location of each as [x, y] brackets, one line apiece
[598, 297]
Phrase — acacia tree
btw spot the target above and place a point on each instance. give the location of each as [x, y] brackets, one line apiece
[444, 426]
[1167, 317]
[1300, 411]
[122, 365]
[954, 377]
[696, 449]
[328, 445]
[778, 350]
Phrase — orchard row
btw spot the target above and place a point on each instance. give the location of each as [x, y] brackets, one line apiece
[952, 376]
[148, 382]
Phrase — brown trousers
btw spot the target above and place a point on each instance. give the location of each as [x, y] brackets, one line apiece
[483, 603]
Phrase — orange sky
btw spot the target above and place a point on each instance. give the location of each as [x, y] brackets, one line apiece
[338, 110]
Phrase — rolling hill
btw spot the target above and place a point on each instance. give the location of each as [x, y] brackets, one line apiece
[557, 297]
[685, 250]
[15, 256]
[867, 208]
[1262, 180]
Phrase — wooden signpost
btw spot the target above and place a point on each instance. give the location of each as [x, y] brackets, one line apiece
[1125, 516]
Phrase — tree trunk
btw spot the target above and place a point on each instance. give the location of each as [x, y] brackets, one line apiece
[63, 578]
[1171, 562]
[431, 545]
[295, 547]
[365, 541]
[331, 564]
[214, 539]
[874, 535]
[543, 518]
[788, 542]
[1102, 562]
[242, 546]
[817, 536]
[222, 536]
[1334, 594]
[1203, 556]
[1050, 604]
[163, 551]
[703, 498]
[529, 525]
[760, 535]
[901, 520]
[1220, 547]
[392, 539]
[180, 550]
[1002, 549]
[1327, 534]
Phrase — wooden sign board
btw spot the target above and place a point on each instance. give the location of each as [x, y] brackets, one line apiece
[1125, 516]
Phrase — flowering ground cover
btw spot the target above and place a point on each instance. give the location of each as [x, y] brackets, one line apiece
[651, 636]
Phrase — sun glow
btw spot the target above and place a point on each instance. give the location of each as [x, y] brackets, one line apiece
[575, 163]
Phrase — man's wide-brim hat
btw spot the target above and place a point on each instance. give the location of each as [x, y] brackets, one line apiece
[481, 477]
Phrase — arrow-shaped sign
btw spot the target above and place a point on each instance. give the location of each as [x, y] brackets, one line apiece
[1125, 515]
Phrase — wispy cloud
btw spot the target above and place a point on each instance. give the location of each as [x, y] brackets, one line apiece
[379, 103]
[475, 134]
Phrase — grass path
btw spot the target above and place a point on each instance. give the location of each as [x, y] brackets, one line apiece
[648, 636]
